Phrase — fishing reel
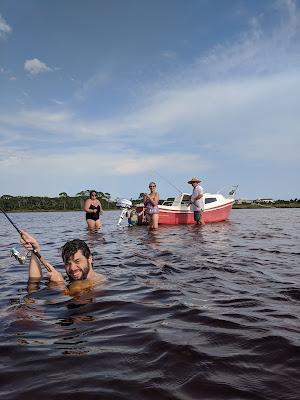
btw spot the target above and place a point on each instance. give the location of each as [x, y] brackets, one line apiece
[18, 256]
[125, 205]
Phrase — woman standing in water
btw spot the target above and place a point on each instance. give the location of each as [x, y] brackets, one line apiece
[93, 209]
[151, 206]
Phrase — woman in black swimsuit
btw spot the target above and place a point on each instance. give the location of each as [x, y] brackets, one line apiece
[93, 209]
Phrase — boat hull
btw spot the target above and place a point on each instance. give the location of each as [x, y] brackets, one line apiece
[183, 216]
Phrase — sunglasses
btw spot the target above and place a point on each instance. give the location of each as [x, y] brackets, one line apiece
[151, 186]
[93, 195]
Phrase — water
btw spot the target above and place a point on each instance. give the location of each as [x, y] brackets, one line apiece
[188, 312]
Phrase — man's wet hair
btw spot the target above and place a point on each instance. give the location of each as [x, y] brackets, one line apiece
[70, 248]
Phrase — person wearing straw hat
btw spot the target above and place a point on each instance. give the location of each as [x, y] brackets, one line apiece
[197, 200]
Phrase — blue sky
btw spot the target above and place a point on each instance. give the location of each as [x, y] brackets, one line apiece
[114, 94]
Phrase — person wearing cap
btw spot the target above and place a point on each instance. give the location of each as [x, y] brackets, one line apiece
[197, 200]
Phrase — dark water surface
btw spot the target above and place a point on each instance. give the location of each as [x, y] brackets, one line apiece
[188, 312]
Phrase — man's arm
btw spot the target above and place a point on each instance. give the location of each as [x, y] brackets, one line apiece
[34, 270]
[198, 197]
[35, 266]
[199, 194]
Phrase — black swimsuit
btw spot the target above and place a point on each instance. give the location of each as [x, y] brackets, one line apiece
[93, 216]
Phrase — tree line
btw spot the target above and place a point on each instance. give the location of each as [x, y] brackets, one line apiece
[63, 202]
[292, 203]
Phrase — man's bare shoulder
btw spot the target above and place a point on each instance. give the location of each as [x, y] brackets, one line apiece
[99, 278]
[77, 287]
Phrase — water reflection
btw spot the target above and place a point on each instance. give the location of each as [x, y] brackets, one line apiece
[75, 319]
[80, 300]
[152, 238]
[208, 301]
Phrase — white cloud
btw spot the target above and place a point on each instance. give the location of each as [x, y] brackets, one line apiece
[169, 54]
[4, 27]
[81, 161]
[35, 66]
[239, 102]
[238, 111]
[8, 74]
[93, 83]
[248, 76]
[74, 166]
[57, 102]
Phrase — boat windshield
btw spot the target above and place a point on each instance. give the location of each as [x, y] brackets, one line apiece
[186, 199]
[169, 201]
[210, 200]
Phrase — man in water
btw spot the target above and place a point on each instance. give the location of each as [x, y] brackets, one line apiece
[77, 259]
[197, 200]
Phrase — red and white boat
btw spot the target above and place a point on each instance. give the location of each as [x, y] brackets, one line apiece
[177, 211]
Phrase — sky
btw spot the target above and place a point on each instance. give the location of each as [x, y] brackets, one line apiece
[112, 94]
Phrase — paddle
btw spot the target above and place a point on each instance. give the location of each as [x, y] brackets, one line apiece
[34, 250]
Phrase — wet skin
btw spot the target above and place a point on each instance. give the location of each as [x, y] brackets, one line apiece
[78, 266]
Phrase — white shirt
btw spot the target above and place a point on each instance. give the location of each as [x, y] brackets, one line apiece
[198, 205]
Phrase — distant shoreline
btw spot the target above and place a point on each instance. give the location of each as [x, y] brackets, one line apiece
[264, 206]
[234, 207]
[76, 203]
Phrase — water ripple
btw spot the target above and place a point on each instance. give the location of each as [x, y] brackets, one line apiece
[187, 312]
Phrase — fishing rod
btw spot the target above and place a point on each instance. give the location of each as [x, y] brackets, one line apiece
[34, 250]
[170, 183]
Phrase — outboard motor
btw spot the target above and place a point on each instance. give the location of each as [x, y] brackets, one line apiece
[125, 205]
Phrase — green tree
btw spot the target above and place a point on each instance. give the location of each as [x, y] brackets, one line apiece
[83, 193]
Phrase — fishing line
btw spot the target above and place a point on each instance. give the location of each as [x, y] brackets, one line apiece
[11, 221]
[34, 250]
[170, 183]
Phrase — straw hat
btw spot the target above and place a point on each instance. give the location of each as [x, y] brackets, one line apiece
[194, 179]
